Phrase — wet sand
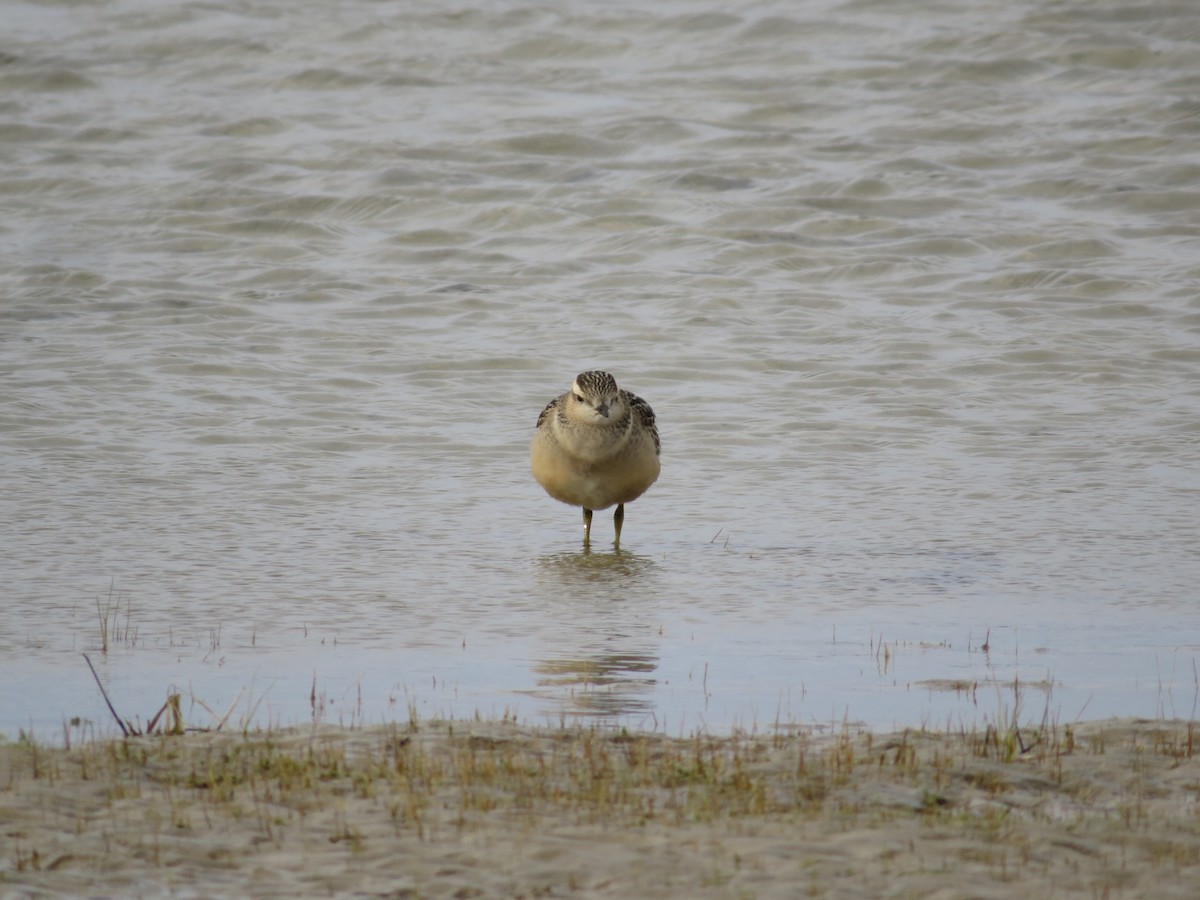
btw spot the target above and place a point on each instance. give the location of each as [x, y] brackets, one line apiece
[496, 809]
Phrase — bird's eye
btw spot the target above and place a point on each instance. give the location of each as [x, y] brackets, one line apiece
[578, 399]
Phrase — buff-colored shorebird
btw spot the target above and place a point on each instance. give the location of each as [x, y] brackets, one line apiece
[596, 445]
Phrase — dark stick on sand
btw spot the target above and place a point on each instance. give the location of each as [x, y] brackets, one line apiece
[120, 724]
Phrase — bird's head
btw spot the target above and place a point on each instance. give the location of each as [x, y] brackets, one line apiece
[595, 398]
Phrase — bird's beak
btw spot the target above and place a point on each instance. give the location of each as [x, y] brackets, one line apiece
[603, 409]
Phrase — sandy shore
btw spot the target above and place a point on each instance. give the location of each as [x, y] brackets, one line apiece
[493, 809]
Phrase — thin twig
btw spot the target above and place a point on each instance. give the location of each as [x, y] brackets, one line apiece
[220, 720]
[232, 707]
[162, 709]
[207, 709]
[104, 693]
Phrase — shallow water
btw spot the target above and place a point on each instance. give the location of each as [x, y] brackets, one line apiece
[915, 297]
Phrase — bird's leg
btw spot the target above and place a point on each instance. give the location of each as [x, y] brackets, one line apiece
[618, 521]
[587, 525]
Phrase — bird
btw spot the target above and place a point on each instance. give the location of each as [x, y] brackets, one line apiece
[596, 446]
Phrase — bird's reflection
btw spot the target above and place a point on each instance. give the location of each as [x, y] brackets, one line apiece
[601, 686]
[602, 632]
[596, 565]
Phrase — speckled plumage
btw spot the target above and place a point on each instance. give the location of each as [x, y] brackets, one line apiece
[596, 446]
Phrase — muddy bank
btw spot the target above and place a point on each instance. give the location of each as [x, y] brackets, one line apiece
[483, 809]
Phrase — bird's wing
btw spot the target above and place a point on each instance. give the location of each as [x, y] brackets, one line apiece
[553, 404]
[642, 409]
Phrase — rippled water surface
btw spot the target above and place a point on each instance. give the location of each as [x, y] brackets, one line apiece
[914, 290]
